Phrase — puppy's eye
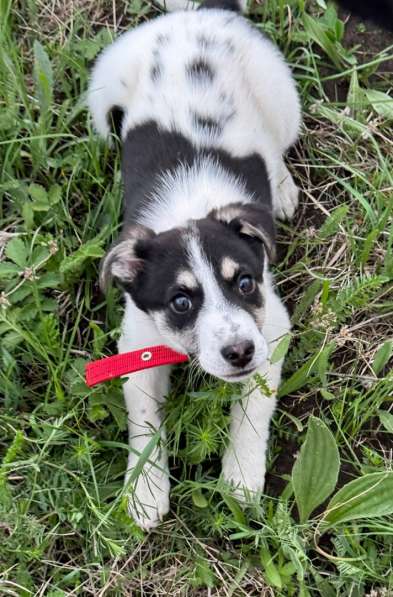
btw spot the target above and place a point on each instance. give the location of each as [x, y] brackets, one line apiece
[246, 284]
[181, 303]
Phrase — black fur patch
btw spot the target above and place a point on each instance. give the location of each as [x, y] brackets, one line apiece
[230, 46]
[115, 119]
[148, 151]
[156, 72]
[162, 39]
[200, 71]
[205, 42]
[209, 125]
[223, 4]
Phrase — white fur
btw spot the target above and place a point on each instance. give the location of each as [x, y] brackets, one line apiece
[190, 194]
[254, 95]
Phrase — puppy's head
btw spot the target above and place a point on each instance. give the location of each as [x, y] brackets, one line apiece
[202, 285]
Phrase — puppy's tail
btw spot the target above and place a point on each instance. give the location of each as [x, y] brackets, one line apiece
[234, 5]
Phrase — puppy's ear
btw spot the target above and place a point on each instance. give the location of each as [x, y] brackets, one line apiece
[251, 220]
[122, 263]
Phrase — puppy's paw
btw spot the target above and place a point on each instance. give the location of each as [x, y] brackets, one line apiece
[148, 498]
[246, 479]
[287, 197]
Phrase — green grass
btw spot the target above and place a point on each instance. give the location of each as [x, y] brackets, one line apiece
[63, 523]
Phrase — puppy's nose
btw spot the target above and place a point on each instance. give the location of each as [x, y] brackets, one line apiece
[239, 355]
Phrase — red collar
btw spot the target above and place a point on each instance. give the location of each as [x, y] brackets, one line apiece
[129, 362]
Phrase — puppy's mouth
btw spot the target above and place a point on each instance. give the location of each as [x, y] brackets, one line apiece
[239, 376]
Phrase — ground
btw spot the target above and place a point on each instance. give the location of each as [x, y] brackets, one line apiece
[64, 529]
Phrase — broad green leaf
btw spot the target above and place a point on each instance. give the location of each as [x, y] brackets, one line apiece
[271, 572]
[38, 195]
[28, 215]
[355, 97]
[43, 77]
[315, 472]
[199, 499]
[235, 509]
[40, 255]
[74, 264]
[382, 356]
[49, 280]
[115, 405]
[386, 420]
[16, 251]
[8, 269]
[366, 497]
[381, 102]
[297, 379]
[54, 194]
[281, 349]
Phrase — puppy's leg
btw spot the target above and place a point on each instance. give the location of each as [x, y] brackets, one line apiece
[147, 479]
[285, 197]
[278, 101]
[244, 461]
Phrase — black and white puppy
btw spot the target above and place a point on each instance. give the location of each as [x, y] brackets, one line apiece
[209, 108]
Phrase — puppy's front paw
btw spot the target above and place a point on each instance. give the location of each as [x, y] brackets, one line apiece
[246, 478]
[148, 498]
[287, 197]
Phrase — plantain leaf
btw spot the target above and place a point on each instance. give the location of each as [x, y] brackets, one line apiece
[381, 102]
[386, 420]
[366, 497]
[43, 76]
[315, 472]
[382, 356]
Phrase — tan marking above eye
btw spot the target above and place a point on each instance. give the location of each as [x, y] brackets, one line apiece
[229, 267]
[187, 279]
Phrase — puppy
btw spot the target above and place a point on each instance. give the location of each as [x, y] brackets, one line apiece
[208, 107]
